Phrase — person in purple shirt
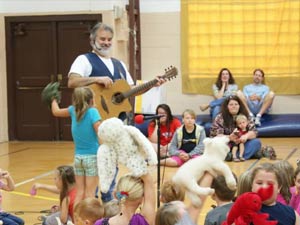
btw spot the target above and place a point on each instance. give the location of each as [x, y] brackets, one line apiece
[132, 193]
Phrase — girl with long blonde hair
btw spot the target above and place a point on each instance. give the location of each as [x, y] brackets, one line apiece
[85, 122]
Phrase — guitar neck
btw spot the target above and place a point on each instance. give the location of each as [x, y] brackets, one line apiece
[140, 88]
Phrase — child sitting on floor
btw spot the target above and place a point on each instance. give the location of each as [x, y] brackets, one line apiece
[88, 211]
[223, 197]
[170, 192]
[187, 142]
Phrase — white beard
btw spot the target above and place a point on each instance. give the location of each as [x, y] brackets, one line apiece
[102, 51]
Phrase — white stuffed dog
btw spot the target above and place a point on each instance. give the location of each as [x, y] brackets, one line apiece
[122, 144]
[212, 160]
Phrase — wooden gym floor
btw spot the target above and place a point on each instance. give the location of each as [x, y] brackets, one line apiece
[30, 162]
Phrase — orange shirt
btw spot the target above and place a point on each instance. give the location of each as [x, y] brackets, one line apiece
[72, 195]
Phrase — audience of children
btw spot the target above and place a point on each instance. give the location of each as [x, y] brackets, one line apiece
[223, 196]
[135, 202]
[187, 142]
[7, 183]
[64, 179]
[88, 211]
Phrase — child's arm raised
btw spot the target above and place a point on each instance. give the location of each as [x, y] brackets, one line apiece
[148, 208]
[194, 212]
[58, 112]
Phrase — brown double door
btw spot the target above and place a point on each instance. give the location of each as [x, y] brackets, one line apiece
[41, 49]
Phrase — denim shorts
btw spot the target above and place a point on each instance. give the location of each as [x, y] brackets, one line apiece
[86, 165]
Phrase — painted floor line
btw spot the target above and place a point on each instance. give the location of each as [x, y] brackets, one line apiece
[34, 178]
[36, 196]
[291, 153]
[253, 164]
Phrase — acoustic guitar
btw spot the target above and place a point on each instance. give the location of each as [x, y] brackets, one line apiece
[110, 102]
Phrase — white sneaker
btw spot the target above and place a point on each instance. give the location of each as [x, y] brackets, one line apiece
[252, 118]
[257, 121]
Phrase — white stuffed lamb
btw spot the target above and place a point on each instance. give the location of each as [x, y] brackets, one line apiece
[122, 144]
[212, 160]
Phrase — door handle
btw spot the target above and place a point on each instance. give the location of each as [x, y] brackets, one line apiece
[52, 78]
[59, 77]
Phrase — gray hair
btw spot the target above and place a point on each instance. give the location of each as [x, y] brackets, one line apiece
[97, 27]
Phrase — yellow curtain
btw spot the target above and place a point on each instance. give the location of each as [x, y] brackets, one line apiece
[241, 36]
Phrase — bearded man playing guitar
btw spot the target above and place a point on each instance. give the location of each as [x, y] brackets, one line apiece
[97, 67]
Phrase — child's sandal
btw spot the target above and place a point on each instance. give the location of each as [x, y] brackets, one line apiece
[242, 159]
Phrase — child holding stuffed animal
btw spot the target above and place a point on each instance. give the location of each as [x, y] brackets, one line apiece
[133, 193]
[242, 129]
[187, 142]
[7, 183]
[259, 206]
[85, 122]
[264, 175]
[223, 196]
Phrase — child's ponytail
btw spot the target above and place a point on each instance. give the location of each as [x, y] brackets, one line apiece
[82, 97]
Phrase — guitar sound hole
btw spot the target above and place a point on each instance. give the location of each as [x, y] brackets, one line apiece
[117, 98]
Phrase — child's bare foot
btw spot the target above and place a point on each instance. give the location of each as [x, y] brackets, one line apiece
[204, 107]
[242, 158]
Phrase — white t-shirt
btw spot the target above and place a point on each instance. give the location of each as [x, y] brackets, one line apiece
[83, 67]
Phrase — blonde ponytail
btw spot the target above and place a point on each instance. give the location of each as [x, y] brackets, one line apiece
[82, 97]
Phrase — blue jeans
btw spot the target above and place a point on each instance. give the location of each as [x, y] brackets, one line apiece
[215, 107]
[251, 147]
[9, 219]
[254, 108]
[106, 197]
